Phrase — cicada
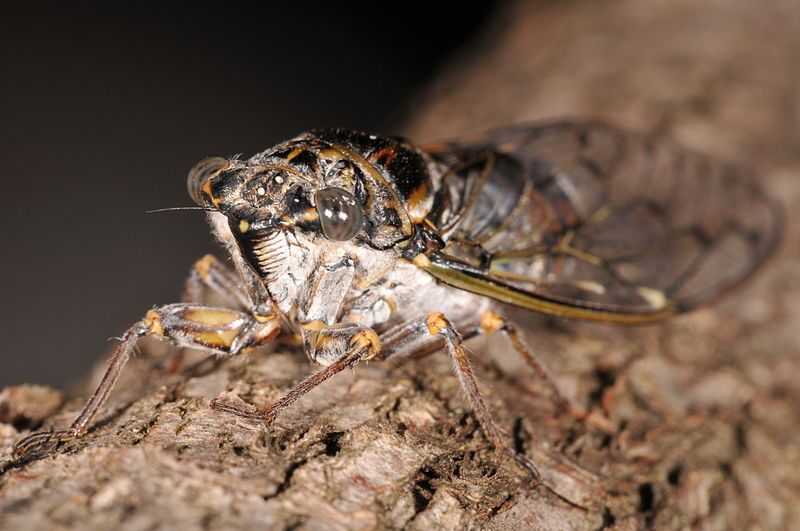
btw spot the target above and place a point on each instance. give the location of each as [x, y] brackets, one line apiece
[366, 247]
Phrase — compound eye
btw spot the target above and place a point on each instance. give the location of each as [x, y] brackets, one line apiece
[339, 214]
[201, 174]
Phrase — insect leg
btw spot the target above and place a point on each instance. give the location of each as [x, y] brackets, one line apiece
[422, 337]
[210, 282]
[438, 325]
[219, 331]
[337, 348]
[492, 322]
[223, 283]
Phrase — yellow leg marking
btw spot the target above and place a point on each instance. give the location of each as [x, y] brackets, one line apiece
[153, 322]
[269, 332]
[321, 342]
[263, 318]
[491, 322]
[436, 323]
[216, 317]
[203, 266]
[216, 339]
[367, 339]
[314, 326]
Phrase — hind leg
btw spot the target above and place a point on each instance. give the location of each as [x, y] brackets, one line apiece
[492, 322]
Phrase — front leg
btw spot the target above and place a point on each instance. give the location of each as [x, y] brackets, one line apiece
[219, 331]
[335, 347]
[210, 277]
[210, 283]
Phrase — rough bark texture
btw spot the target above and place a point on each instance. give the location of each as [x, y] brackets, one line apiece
[695, 423]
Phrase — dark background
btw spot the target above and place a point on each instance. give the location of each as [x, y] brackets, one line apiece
[102, 114]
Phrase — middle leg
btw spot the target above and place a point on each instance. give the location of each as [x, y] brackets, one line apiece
[434, 332]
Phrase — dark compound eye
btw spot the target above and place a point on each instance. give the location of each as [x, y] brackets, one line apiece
[339, 214]
[199, 176]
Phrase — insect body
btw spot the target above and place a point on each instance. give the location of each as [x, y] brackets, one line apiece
[368, 247]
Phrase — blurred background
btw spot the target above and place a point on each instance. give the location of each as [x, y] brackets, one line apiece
[103, 111]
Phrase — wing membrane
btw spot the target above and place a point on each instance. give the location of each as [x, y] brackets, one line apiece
[612, 223]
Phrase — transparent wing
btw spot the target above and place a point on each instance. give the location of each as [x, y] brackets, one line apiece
[610, 223]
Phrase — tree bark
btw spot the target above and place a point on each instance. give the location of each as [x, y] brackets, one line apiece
[693, 424]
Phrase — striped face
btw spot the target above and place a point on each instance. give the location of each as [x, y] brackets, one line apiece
[334, 184]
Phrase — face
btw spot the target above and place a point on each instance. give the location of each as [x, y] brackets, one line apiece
[276, 192]
[285, 208]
